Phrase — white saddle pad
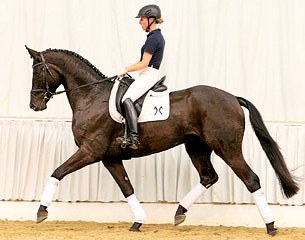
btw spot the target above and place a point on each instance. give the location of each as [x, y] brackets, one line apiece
[155, 106]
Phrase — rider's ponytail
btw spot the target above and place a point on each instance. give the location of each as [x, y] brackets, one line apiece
[159, 20]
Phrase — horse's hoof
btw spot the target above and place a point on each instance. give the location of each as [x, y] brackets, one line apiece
[273, 233]
[41, 216]
[135, 227]
[179, 219]
[271, 230]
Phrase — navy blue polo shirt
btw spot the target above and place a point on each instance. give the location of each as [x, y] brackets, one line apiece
[154, 45]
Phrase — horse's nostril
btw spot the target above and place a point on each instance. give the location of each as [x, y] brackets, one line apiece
[32, 106]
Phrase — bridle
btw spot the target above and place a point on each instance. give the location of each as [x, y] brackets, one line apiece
[47, 93]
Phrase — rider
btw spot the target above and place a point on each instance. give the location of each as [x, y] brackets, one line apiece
[149, 64]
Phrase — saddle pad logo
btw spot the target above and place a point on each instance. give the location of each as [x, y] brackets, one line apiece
[158, 110]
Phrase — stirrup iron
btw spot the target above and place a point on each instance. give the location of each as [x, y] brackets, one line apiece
[124, 139]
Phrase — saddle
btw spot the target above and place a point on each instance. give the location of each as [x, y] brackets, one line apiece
[125, 83]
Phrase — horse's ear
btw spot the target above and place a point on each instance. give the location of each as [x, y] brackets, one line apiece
[32, 52]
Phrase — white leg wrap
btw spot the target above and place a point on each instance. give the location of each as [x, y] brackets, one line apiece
[136, 208]
[262, 205]
[48, 193]
[192, 196]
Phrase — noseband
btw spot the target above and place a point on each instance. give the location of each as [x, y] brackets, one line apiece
[47, 93]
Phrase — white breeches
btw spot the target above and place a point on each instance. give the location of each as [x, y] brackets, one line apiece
[146, 79]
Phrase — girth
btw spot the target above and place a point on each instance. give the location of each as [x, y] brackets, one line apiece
[125, 84]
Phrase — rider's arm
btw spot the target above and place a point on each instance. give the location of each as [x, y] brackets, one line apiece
[141, 64]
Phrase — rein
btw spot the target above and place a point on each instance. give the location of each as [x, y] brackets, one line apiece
[47, 93]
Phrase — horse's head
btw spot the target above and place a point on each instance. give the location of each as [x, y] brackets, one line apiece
[44, 82]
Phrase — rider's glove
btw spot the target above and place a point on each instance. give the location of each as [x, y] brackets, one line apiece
[122, 73]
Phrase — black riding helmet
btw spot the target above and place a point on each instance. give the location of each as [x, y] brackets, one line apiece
[149, 11]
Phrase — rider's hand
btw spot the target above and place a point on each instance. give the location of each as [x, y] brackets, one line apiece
[122, 73]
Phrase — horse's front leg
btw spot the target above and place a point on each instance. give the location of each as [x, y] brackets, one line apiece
[118, 172]
[77, 161]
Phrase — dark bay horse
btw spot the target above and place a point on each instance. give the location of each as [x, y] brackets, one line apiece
[203, 118]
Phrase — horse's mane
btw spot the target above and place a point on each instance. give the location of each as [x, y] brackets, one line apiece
[81, 58]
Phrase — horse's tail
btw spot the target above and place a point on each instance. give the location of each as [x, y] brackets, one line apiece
[288, 184]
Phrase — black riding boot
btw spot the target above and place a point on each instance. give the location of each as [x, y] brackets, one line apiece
[132, 122]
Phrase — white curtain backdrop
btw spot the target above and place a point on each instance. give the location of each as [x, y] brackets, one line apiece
[33, 149]
[254, 49]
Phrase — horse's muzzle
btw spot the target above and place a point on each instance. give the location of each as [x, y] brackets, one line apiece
[37, 108]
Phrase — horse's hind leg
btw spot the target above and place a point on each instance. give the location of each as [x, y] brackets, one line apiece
[234, 158]
[200, 154]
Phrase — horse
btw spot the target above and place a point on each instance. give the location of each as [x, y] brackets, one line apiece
[203, 118]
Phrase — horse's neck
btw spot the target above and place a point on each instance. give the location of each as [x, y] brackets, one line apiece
[77, 72]
[76, 76]
[83, 94]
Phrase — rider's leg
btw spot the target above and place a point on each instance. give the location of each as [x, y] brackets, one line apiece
[132, 121]
[147, 79]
